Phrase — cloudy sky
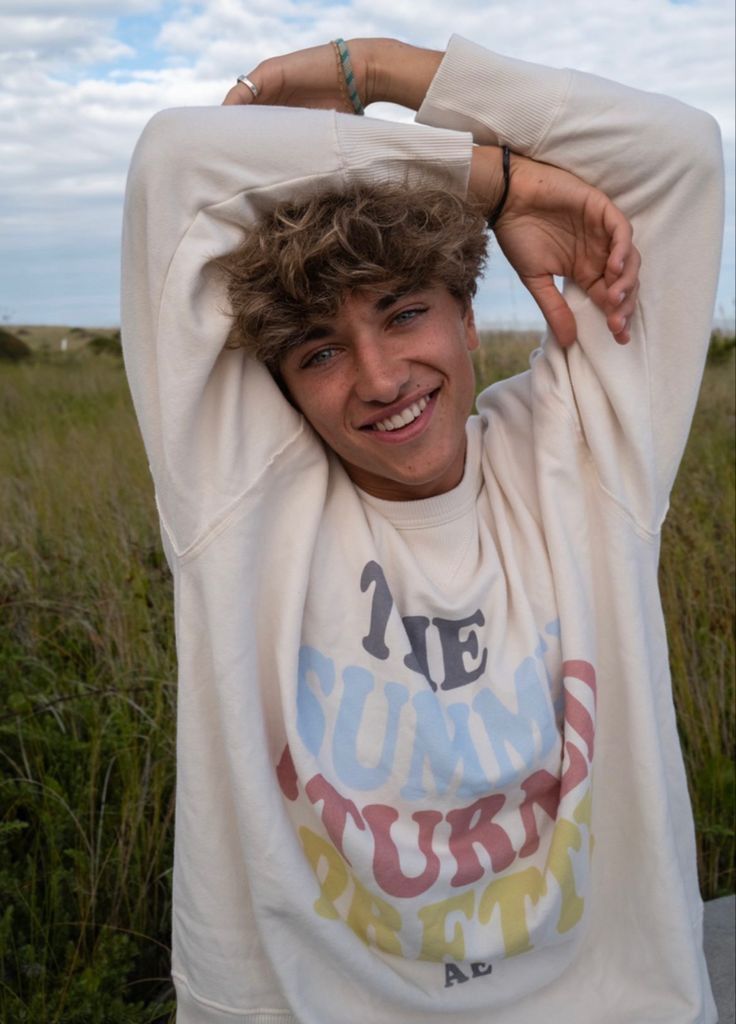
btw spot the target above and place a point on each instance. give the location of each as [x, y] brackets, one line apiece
[79, 79]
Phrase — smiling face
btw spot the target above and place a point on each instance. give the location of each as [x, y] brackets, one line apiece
[388, 385]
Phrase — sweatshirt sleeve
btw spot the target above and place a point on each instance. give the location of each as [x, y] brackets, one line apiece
[213, 421]
[661, 162]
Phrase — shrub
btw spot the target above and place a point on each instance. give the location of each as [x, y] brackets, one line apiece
[720, 346]
[12, 349]
[109, 343]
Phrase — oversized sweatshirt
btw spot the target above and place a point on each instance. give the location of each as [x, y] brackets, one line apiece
[428, 766]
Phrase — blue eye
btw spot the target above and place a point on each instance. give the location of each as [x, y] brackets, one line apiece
[318, 358]
[407, 315]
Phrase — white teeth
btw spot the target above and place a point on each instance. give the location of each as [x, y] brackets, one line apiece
[403, 419]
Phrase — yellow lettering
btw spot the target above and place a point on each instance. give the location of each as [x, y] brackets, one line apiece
[434, 943]
[368, 911]
[510, 895]
[583, 815]
[583, 811]
[566, 837]
[334, 882]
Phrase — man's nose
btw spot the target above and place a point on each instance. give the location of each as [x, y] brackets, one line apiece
[380, 375]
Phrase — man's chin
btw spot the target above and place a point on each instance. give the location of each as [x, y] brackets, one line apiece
[408, 485]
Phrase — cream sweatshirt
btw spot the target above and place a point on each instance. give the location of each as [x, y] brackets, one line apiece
[428, 766]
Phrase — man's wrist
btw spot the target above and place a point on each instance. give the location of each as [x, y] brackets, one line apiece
[486, 183]
[396, 72]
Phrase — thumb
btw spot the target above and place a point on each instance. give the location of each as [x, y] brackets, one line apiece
[554, 307]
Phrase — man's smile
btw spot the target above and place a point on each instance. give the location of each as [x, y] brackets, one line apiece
[407, 424]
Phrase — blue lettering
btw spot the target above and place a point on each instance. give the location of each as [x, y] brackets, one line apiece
[310, 719]
[358, 684]
[517, 728]
[432, 741]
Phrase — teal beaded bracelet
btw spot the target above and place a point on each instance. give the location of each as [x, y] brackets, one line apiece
[349, 75]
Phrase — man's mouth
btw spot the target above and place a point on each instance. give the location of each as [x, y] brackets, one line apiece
[404, 418]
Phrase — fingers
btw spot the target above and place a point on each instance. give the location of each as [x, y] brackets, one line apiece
[622, 270]
[554, 308]
[620, 233]
[619, 322]
[240, 94]
[622, 296]
[621, 275]
[619, 307]
[304, 78]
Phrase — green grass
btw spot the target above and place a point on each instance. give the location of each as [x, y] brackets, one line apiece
[87, 732]
[87, 680]
[697, 581]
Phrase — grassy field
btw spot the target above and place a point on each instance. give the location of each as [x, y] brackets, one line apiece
[87, 680]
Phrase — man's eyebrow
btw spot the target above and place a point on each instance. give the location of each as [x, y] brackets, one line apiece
[385, 302]
[316, 333]
[319, 331]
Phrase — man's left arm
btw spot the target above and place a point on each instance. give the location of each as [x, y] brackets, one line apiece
[660, 162]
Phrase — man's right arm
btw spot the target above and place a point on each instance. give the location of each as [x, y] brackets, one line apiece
[213, 421]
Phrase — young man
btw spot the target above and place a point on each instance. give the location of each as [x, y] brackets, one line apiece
[423, 669]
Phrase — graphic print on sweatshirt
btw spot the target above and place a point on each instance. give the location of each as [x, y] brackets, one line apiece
[443, 804]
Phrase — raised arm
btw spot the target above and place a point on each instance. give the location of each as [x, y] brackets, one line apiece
[554, 223]
[652, 161]
[660, 162]
[212, 419]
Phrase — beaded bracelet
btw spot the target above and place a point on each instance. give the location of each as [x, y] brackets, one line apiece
[347, 75]
[493, 216]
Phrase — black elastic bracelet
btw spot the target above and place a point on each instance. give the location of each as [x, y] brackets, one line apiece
[498, 209]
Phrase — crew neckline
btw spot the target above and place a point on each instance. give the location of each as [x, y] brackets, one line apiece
[423, 513]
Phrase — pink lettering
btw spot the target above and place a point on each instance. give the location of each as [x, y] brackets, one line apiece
[491, 836]
[575, 712]
[286, 774]
[543, 789]
[386, 866]
[335, 809]
[576, 770]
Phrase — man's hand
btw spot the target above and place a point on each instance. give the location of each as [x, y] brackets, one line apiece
[305, 78]
[554, 224]
[386, 70]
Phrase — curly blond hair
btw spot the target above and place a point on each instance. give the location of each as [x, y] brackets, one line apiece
[294, 269]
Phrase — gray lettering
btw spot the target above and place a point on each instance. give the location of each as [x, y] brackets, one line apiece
[454, 649]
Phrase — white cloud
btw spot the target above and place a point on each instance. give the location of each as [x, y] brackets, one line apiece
[90, 8]
[57, 42]
[68, 132]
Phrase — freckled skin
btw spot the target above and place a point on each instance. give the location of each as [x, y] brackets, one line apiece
[371, 361]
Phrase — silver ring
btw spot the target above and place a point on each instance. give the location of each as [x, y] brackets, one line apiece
[246, 81]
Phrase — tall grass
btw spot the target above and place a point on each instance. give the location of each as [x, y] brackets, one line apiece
[87, 680]
[87, 720]
[698, 581]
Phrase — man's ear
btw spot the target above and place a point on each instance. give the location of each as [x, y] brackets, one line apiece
[471, 333]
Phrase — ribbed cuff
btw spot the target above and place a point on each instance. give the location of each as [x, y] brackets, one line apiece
[390, 151]
[191, 1010]
[502, 101]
